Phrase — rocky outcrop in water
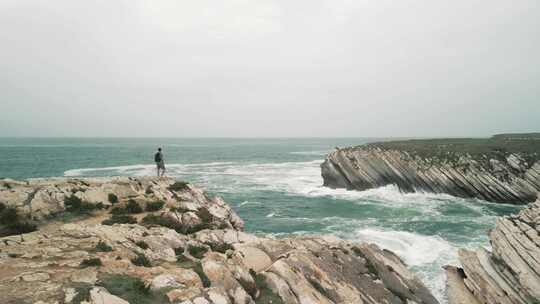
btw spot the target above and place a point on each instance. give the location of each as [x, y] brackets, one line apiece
[510, 272]
[144, 240]
[462, 168]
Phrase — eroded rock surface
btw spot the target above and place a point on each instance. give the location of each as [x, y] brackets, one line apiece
[510, 273]
[190, 250]
[509, 180]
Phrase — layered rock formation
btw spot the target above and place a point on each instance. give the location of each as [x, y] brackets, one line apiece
[494, 170]
[143, 240]
[510, 272]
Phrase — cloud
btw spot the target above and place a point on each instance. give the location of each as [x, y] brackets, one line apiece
[268, 68]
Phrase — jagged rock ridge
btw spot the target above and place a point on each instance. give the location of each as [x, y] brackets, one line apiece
[487, 171]
[178, 246]
[510, 272]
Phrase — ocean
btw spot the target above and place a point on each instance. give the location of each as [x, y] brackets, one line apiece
[275, 185]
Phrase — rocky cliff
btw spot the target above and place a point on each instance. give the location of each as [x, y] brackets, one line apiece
[510, 272]
[500, 169]
[144, 240]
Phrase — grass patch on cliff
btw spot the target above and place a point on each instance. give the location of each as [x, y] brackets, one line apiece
[266, 295]
[142, 244]
[221, 247]
[449, 149]
[77, 206]
[11, 223]
[154, 206]
[132, 207]
[82, 293]
[179, 186]
[119, 219]
[91, 262]
[113, 199]
[103, 247]
[156, 220]
[132, 289]
[141, 260]
[197, 251]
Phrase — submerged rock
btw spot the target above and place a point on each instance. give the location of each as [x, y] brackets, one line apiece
[509, 273]
[167, 259]
[488, 169]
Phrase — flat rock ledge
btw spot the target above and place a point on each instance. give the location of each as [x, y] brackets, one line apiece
[512, 180]
[510, 272]
[178, 246]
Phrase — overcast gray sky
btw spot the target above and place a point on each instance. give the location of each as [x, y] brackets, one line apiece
[269, 68]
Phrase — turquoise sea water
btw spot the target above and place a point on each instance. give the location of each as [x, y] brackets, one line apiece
[276, 187]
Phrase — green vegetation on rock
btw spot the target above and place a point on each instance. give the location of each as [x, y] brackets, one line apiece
[132, 207]
[141, 260]
[119, 219]
[79, 207]
[197, 251]
[103, 247]
[91, 262]
[221, 247]
[11, 222]
[142, 245]
[151, 219]
[154, 206]
[113, 199]
[179, 186]
[131, 289]
[266, 295]
[82, 293]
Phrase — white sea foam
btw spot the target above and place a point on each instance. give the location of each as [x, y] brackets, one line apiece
[301, 178]
[144, 169]
[137, 170]
[422, 253]
[415, 249]
[317, 153]
[244, 203]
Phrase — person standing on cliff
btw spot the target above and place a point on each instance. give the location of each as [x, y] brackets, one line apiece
[160, 162]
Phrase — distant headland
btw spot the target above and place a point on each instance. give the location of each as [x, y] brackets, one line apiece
[503, 168]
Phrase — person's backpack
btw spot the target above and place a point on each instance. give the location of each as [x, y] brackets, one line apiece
[157, 157]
